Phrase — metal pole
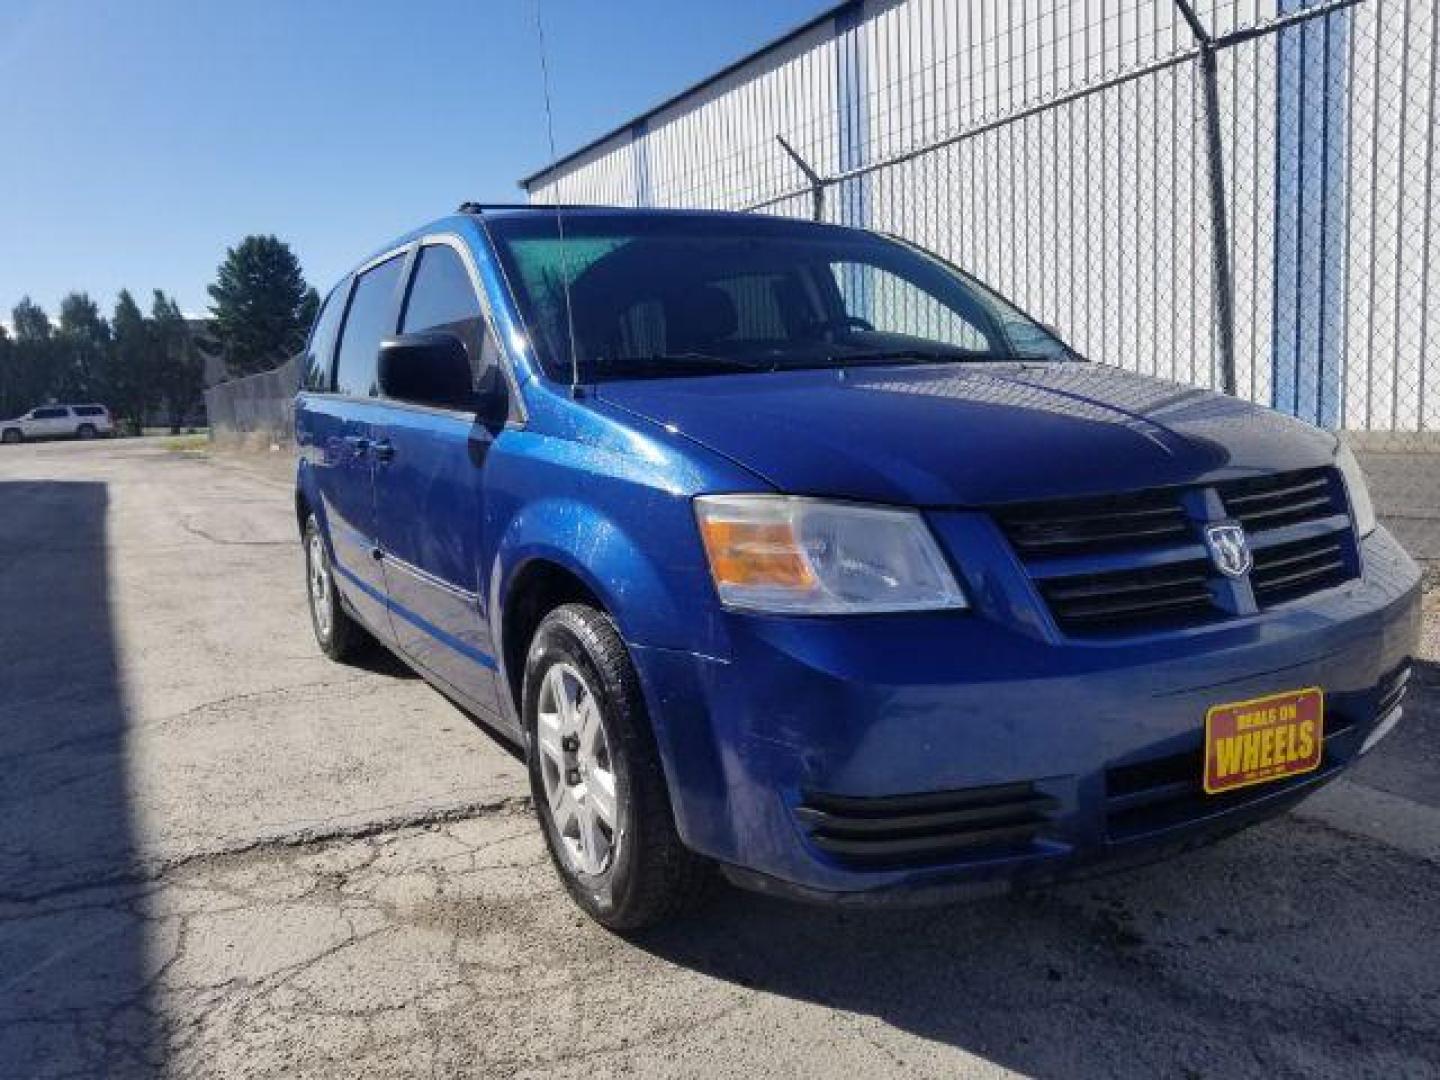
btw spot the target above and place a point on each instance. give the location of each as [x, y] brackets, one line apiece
[817, 185]
[1224, 285]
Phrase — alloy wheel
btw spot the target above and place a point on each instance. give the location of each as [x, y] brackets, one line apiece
[319, 575]
[578, 771]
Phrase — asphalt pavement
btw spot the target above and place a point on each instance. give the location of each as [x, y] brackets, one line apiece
[222, 855]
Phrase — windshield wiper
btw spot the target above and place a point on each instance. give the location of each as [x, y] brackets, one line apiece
[685, 360]
[936, 356]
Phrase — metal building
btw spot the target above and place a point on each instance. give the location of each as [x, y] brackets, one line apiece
[1224, 191]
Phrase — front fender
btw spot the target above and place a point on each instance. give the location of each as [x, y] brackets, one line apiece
[657, 589]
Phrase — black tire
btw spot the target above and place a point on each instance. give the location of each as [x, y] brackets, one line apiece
[340, 637]
[85, 431]
[650, 876]
[12, 435]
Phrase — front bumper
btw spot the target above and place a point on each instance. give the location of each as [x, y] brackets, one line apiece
[1102, 741]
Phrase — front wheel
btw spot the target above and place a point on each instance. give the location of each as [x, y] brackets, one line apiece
[12, 435]
[340, 637]
[596, 778]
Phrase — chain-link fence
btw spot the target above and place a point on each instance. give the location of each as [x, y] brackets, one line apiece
[255, 412]
[1234, 194]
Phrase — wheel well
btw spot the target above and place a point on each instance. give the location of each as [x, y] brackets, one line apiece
[539, 589]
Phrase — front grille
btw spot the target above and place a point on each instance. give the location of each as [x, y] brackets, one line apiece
[1287, 571]
[1082, 526]
[1269, 502]
[933, 827]
[1173, 593]
[1136, 563]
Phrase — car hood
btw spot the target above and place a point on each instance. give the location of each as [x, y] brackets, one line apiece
[945, 435]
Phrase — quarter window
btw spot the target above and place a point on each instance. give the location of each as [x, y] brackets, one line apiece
[442, 298]
[320, 352]
[371, 317]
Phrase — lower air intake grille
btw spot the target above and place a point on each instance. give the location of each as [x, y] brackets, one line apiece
[933, 827]
[1150, 796]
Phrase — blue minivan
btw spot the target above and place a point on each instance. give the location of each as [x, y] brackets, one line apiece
[793, 551]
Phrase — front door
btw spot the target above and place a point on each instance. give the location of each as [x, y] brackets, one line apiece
[429, 492]
[348, 424]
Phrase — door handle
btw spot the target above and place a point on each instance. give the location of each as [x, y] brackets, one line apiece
[358, 444]
[383, 450]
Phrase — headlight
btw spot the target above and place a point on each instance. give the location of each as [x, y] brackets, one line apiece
[807, 556]
[1361, 508]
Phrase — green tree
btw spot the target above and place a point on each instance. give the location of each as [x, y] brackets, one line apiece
[261, 307]
[33, 357]
[82, 346]
[30, 322]
[8, 405]
[131, 386]
[181, 367]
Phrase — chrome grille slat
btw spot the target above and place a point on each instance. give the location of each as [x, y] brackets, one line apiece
[1316, 484]
[1300, 511]
[1299, 568]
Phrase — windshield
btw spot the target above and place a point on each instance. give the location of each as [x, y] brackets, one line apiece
[670, 295]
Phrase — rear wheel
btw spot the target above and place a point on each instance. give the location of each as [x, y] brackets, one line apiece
[12, 435]
[596, 778]
[340, 637]
[85, 431]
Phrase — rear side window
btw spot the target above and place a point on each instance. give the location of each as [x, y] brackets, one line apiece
[320, 352]
[442, 298]
[371, 317]
[89, 410]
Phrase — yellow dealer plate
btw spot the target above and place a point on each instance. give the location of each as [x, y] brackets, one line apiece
[1266, 738]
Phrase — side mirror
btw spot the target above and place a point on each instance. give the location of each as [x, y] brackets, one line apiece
[428, 369]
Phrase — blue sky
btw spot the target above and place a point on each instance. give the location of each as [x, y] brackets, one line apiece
[138, 140]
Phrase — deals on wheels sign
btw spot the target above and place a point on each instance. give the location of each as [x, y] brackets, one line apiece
[1250, 742]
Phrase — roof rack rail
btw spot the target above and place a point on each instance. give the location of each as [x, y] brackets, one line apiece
[480, 208]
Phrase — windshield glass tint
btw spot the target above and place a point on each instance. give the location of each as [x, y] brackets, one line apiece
[677, 295]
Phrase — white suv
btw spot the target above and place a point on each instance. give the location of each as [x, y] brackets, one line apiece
[58, 422]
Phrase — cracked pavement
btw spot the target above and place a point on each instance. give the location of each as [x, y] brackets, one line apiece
[221, 855]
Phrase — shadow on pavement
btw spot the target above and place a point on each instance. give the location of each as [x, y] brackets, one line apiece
[1290, 949]
[66, 818]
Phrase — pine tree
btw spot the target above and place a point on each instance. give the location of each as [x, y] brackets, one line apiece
[82, 349]
[261, 307]
[131, 386]
[9, 406]
[33, 357]
[180, 365]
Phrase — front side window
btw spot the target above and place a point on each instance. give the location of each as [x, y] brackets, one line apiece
[671, 295]
[371, 317]
[50, 414]
[443, 298]
[320, 352]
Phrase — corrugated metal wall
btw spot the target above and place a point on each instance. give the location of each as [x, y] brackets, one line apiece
[1057, 150]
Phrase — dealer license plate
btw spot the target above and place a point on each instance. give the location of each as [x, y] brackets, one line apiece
[1264, 739]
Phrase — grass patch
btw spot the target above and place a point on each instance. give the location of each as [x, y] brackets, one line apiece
[188, 444]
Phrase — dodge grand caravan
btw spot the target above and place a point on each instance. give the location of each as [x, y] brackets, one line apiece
[793, 550]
